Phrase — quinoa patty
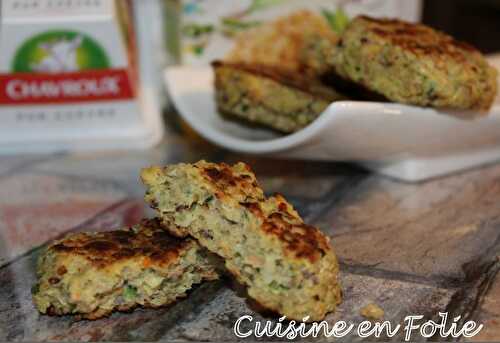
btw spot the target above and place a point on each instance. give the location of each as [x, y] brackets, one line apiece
[271, 97]
[414, 64]
[284, 43]
[93, 274]
[288, 266]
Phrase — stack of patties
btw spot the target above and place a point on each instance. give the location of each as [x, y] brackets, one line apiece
[271, 78]
[372, 59]
[95, 273]
[204, 210]
[287, 265]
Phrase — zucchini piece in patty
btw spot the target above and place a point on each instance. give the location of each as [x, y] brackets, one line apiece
[94, 274]
[288, 266]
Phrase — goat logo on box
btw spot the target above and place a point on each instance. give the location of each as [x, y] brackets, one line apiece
[59, 52]
[63, 67]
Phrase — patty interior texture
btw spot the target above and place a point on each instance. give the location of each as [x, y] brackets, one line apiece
[287, 265]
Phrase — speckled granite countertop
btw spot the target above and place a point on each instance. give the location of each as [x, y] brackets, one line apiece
[411, 249]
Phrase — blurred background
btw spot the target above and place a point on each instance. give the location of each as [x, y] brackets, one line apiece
[474, 21]
[138, 39]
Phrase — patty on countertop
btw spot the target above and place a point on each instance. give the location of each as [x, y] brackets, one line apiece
[270, 97]
[413, 64]
[287, 266]
[94, 274]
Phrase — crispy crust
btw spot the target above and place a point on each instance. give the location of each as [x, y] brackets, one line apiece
[229, 182]
[288, 265]
[414, 64]
[93, 274]
[102, 249]
[279, 219]
[417, 38]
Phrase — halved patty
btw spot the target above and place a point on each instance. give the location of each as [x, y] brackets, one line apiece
[93, 274]
[413, 64]
[288, 266]
[274, 98]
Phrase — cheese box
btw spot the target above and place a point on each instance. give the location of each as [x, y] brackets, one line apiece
[73, 78]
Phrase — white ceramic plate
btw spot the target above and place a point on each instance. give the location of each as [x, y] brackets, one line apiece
[406, 142]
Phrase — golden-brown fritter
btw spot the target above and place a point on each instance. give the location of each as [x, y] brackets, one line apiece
[288, 266]
[93, 274]
[270, 97]
[282, 43]
[413, 64]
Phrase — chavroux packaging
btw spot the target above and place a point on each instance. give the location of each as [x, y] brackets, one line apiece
[70, 77]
